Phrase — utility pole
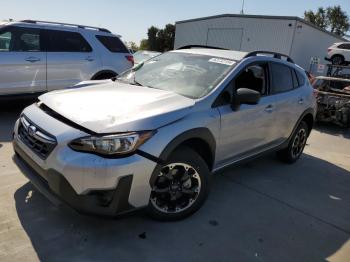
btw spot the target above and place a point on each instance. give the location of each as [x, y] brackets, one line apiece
[242, 11]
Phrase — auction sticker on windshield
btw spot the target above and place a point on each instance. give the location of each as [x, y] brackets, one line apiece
[222, 61]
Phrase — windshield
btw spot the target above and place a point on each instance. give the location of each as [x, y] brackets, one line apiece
[190, 75]
[141, 56]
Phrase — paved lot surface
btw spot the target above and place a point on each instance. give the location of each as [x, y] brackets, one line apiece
[261, 211]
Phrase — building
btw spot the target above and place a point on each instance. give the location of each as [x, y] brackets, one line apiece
[293, 36]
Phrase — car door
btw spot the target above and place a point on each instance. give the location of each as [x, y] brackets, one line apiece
[249, 128]
[289, 100]
[70, 59]
[22, 61]
[346, 51]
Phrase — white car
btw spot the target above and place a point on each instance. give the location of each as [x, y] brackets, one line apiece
[39, 56]
[153, 137]
[339, 53]
[142, 56]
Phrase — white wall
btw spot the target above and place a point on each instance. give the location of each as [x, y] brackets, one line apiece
[253, 33]
[249, 34]
[310, 42]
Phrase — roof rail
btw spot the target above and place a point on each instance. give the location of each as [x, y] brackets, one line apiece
[275, 55]
[200, 46]
[66, 24]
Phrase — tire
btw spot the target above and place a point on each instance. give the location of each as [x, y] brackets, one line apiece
[338, 60]
[190, 194]
[289, 154]
[104, 76]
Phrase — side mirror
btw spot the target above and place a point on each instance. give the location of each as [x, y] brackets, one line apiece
[247, 96]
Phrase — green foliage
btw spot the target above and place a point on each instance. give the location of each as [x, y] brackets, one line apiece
[160, 40]
[333, 19]
[132, 45]
[144, 44]
[338, 20]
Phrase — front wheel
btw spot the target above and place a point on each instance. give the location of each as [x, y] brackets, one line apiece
[296, 145]
[181, 186]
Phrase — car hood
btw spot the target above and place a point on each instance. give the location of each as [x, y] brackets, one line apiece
[112, 107]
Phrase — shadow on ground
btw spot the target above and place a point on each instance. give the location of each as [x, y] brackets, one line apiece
[332, 129]
[9, 112]
[263, 211]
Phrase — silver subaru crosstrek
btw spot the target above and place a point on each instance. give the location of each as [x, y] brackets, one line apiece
[40, 56]
[153, 136]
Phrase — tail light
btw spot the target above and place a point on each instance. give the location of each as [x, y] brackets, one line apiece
[329, 49]
[130, 58]
[315, 93]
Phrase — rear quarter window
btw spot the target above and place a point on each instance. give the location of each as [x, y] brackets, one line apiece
[112, 43]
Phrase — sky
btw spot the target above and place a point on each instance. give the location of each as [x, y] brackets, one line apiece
[131, 19]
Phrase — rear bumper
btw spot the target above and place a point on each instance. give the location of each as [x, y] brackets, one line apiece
[57, 189]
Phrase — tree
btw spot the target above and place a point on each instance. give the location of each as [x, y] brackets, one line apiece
[338, 20]
[132, 45]
[319, 18]
[168, 37]
[144, 44]
[333, 19]
[160, 40]
[152, 38]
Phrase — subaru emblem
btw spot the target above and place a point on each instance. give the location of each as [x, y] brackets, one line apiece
[31, 130]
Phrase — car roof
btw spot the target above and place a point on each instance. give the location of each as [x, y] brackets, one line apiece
[333, 78]
[340, 43]
[57, 26]
[229, 54]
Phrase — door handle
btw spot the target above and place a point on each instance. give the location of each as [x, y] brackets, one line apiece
[32, 59]
[269, 108]
[89, 58]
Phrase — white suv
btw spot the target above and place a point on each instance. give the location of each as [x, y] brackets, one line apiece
[38, 56]
[339, 53]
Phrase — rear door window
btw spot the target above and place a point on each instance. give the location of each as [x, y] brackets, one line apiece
[282, 79]
[64, 41]
[112, 43]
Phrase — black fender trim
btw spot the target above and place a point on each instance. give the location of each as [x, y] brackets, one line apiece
[103, 72]
[196, 133]
[150, 157]
[306, 112]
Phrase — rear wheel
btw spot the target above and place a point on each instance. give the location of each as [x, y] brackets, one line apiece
[296, 145]
[181, 186]
[338, 60]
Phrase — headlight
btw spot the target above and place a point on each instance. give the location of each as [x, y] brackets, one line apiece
[111, 145]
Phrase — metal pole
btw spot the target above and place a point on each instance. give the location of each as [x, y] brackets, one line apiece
[242, 11]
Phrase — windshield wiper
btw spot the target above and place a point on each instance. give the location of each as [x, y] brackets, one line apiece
[134, 81]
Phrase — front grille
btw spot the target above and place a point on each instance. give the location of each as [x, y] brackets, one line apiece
[38, 140]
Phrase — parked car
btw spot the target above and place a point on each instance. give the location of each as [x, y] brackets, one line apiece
[37, 56]
[339, 53]
[141, 56]
[333, 99]
[154, 136]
